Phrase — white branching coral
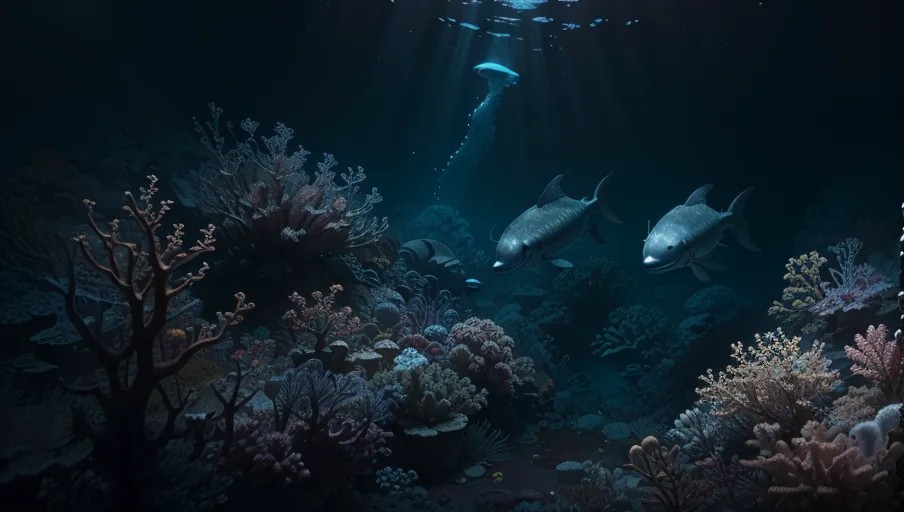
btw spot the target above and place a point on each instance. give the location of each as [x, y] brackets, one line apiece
[774, 380]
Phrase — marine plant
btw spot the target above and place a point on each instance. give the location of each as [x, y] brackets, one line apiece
[143, 270]
[773, 380]
[272, 212]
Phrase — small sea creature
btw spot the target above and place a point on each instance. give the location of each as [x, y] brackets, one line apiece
[688, 234]
[549, 227]
[497, 476]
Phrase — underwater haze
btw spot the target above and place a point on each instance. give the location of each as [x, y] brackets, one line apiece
[452, 255]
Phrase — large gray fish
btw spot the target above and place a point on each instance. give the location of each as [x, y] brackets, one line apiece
[689, 233]
[550, 226]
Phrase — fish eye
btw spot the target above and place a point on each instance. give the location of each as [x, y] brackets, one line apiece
[669, 248]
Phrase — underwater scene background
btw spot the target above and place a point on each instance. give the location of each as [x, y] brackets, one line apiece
[391, 255]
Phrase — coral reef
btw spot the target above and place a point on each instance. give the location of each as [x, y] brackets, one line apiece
[805, 289]
[878, 358]
[481, 350]
[270, 209]
[774, 381]
[431, 399]
[856, 285]
[814, 471]
[635, 328]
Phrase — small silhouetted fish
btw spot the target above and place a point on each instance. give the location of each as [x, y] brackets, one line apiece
[472, 285]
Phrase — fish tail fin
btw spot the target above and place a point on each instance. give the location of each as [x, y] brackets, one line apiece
[602, 202]
[739, 223]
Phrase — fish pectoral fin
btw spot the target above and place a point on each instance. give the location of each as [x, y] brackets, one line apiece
[712, 265]
[594, 231]
[559, 262]
[699, 272]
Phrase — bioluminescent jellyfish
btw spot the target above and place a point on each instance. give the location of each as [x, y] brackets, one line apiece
[481, 132]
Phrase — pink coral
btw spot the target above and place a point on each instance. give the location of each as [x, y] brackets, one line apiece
[878, 359]
[320, 317]
[266, 452]
[483, 351]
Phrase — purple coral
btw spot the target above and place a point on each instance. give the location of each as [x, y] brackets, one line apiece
[266, 452]
[483, 351]
[856, 285]
[271, 210]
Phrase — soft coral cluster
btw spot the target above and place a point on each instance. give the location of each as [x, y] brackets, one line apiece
[329, 423]
[482, 350]
[878, 358]
[816, 470]
[774, 380]
[320, 317]
[271, 211]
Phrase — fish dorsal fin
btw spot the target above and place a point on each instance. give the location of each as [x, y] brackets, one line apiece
[699, 196]
[552, 192]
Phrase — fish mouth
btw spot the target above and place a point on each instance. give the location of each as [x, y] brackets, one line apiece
[504, 268]
[651, 267]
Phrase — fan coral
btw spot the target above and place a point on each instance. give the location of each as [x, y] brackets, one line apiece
[855, 285]
[878, 359]
[481, 349]
[270, 209]
[774, 381]
[814, 472]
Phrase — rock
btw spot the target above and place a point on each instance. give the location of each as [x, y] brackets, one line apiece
[617, 431]
[591, 422]
[474, 472]
[570, 473]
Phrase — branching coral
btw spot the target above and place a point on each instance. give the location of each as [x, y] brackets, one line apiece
[271, 210]
[482, 350]
[595, 286]
[774, 381]
[637, 327]
[432, 399]
[878, 359]
[856, 285]
[814, 472]
[675, 489]
[803, 291]
[320, 318]
[143, 272]
[329, 423]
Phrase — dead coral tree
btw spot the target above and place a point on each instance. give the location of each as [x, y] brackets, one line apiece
[143, 272]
